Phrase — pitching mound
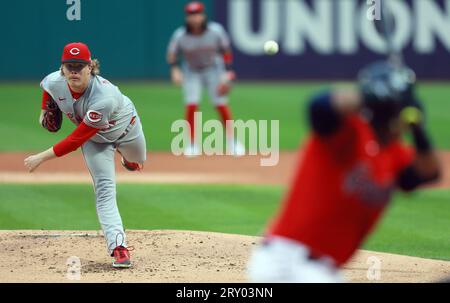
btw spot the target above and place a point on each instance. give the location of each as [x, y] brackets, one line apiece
[169, 256]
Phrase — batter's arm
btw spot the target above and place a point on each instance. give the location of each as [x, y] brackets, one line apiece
[426, 166]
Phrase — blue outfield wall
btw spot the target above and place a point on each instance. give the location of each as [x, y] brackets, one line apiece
[319, 39]
[329, 39]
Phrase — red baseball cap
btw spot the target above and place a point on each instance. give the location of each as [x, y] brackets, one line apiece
[194, 8]
[76, 52]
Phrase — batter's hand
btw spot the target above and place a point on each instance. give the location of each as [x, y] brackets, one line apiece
[177, 76]
[33, 162]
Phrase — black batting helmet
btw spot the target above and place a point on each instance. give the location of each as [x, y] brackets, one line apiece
[386, 89]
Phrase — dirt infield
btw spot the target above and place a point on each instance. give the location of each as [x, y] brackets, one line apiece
[170, 256]
[166, 168]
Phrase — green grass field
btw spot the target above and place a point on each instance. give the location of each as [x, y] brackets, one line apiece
[415, 225]
[159, 104]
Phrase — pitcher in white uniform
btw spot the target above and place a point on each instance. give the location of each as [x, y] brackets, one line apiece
[205, 49]
[106, 122]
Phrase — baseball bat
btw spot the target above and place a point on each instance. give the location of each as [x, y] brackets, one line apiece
[387, 24]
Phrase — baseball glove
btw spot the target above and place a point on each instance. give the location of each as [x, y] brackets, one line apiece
[52, 119]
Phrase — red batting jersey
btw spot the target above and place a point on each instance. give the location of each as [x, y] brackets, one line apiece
[342, 185]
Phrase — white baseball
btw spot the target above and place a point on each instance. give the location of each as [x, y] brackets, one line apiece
[271, 47]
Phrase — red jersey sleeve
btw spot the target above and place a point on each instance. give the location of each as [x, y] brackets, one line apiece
[404, 155]
[45, 97]
[77, 138]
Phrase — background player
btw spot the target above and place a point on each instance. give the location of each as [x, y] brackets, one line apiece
[351, 165]
[106, 121]
[206, 50]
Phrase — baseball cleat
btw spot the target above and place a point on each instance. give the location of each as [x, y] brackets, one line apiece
[122, 257]
[131, 166]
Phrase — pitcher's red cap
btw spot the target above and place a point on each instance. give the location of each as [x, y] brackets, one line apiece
[194, 8]
[76, 52]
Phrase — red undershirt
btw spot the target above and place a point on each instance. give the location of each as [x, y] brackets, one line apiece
[78, 137]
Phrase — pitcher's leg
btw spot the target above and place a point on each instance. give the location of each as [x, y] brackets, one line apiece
[100, 161]
[133, 148]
